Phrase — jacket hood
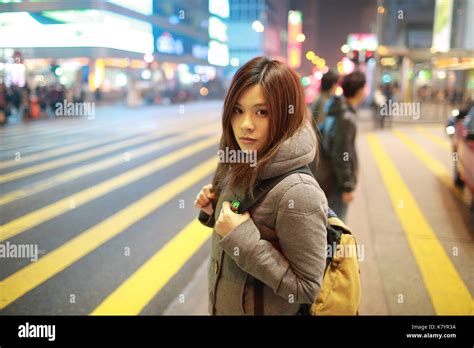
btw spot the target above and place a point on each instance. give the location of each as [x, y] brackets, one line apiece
[295, 152]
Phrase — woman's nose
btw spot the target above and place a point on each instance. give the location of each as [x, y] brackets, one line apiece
[247, 124]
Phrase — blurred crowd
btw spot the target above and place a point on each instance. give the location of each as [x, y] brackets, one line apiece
[32, 103]
[452, 96]
[26, 103]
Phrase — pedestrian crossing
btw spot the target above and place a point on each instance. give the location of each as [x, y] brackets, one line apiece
[136, 292]
[94, 167]
[36, 273]
[57, 208]
[68, 149]
[184, 150]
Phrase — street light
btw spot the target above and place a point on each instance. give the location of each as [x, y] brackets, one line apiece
[382, 50]
[146, 74]
[381, 10]
[258, 26]
[345, 48]
[235, 62]
[203, 91]
[58, 71]
[148, 58]
[357, 45]
[300, 37]
[294, 17]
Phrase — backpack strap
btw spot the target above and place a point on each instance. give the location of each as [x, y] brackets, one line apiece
[264, 186]
[257, 297]
[335, 221]
[260, 190]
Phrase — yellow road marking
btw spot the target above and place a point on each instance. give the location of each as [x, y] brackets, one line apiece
[46, 132]
[140, 288]
[88, 169]
[61, 150]
[47, 127]
[28, 143]
[76, 157]
[66, 128]
[435, 166]
[23, 150]
[138, 139]
[53, 210]
[14, 132]
[36, 273]
[23, 139]
[445, 286]
[443, 143]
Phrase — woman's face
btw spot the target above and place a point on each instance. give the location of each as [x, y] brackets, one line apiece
[250, 120]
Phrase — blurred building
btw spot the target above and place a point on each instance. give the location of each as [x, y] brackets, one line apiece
[145, 48]
[311, 19]
[256, 28]
[426, 47]
[328, 25]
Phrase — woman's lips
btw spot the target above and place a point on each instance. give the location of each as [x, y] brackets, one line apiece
[248, 140]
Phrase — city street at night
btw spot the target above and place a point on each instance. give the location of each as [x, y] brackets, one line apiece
[168, 164]
[109, 202]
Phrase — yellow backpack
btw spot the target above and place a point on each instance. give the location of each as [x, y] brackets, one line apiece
[340, 292]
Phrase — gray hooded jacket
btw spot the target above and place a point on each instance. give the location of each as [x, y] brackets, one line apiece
[283, 244]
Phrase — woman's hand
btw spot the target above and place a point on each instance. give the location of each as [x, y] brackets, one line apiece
[204, 199]
[228, 220]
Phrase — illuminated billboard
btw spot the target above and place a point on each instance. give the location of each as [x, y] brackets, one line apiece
[172, 43]
[362, 42]
[295, 27]
[142, 6]
[442, 25]
[75, 28]
[217, 29]
[218, 53]
[219, 8]
[166, 43]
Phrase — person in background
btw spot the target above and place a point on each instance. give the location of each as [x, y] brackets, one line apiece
[25, 101]
[337, 172]
[379, 101]
[324, 110]
[3, 104]
[319, 108]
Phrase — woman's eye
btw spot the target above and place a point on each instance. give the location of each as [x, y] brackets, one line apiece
[237, 110]
[262, 112]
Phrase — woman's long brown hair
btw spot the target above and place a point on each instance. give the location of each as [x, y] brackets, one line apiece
[287, 110]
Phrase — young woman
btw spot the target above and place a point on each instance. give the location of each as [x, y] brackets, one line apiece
[281, 241]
